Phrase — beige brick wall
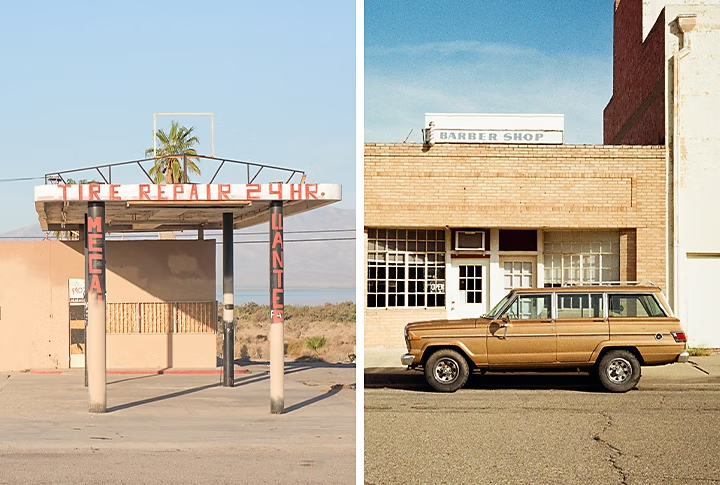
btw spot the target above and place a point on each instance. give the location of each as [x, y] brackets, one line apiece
[517, 186]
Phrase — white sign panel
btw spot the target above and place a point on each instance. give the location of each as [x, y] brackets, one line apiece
[436, 135]
[537, 129]
[76, 290]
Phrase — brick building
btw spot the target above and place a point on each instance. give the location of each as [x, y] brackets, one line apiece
[450, 228]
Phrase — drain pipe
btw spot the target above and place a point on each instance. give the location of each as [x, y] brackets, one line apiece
[684, 23]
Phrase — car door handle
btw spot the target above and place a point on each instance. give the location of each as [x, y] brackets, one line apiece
[546, 321]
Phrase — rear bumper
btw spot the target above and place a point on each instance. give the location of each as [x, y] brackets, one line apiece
[684, 357]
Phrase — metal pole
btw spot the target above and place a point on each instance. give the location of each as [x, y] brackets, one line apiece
[96, 307]
[87, 285]
[277, 310]
[228, 302]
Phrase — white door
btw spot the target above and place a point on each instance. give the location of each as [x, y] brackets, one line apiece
[467, 288]
[701, 293]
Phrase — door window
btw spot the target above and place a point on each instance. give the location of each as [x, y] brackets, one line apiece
[633, 305]
[529, 307]
[471, 283]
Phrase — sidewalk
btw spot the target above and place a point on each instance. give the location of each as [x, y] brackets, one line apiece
[188, 415]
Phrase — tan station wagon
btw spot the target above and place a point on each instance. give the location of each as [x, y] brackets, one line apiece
[609, 331]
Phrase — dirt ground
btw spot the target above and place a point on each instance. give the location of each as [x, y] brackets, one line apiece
[251, 341]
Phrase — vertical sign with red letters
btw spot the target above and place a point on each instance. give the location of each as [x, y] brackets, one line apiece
[277, 309]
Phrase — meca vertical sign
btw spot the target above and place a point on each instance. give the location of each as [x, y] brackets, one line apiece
[96, 253]
[277, 310]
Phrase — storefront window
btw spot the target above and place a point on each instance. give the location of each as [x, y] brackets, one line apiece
[406, 268]
[581, 257]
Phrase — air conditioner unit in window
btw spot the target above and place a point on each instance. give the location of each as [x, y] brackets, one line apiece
[470, 240]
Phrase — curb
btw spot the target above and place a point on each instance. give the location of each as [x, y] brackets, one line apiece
[186, 372]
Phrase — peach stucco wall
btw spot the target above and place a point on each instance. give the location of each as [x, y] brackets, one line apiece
[34, 313]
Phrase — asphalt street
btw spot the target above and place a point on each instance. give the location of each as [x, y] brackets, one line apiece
[545, 429]
[180, 429]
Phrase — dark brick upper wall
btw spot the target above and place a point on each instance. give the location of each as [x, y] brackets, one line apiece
[635, 114]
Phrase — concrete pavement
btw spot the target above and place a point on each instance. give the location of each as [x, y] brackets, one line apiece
[180, 428]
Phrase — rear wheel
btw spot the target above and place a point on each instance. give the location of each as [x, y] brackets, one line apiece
[618, 371]
[446, 370]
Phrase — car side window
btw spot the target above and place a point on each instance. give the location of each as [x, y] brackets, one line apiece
[634, 305]
[580, 305]
[529, 307]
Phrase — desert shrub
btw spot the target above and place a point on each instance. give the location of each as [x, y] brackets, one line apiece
[315, 343]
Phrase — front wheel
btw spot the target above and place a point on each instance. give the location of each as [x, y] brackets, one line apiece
[618, 371]
[446, 370]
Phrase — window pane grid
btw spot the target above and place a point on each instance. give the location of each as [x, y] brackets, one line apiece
[406, 268]
[585, 257]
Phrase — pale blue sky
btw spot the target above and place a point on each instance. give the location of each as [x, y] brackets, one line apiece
[80, 82]
[486, 56]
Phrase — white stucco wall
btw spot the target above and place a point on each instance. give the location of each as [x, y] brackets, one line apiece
[693, 104]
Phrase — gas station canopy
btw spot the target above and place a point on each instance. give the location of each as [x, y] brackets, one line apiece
[175, 207]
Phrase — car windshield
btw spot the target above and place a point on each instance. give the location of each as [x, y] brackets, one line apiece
[496, 309]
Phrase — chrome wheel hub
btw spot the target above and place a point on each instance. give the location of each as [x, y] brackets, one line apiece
[619, 370]
[446, 370]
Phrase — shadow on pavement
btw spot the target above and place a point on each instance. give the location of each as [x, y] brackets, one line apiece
[415, 381]
[334, 390]
[161, 398]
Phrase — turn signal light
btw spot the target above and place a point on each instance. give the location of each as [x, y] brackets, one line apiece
[679, 336]
[413, 337]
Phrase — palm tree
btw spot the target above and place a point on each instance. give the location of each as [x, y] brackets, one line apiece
[179, 141]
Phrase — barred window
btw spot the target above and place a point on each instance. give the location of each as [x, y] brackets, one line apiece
[406, 268]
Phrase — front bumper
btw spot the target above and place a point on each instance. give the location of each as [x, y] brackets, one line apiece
[407, 359]
[684, 357]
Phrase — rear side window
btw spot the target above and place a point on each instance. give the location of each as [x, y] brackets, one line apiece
[634, 305]
[580, 305]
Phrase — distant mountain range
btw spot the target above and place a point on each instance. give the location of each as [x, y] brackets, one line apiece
[315, 272]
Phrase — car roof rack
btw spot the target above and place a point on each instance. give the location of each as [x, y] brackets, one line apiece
[608, 283]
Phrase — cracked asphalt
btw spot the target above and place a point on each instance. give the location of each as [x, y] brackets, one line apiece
[544, 429]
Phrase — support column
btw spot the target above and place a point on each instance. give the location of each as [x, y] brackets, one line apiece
[228, 302]
[277, 310]
[87, 285]
[95, 274]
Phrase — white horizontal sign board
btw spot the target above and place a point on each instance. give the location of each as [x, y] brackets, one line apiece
[494, 128]
[188, 192]
[494, 136]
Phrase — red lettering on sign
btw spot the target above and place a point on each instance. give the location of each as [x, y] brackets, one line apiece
[277, 316]
[276, 295]
[94, 192]
[114, 192]
[277, 240]
[161, 192]
[93, 257]
[95, 284]
[276, 189]
[276, 222]
[92, 242]
[193, 192]
[277, 259]
[296, 191]
[95, 224]
[253, 192]
[223, 192]
[64, 187]
[311, 191]
[279, 274]
[80, 194]
[144, 192]
[207, 192]
[177, 190]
